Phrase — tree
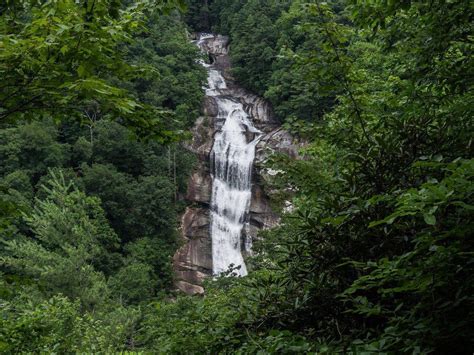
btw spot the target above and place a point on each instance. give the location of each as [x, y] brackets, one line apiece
[374, 257]
[70, 248]
[32, 148]
[58, 59]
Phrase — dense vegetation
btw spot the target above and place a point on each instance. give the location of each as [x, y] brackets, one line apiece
[377, 255]
[95, 97]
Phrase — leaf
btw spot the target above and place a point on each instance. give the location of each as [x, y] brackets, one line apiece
[81, 71]
[429, 219]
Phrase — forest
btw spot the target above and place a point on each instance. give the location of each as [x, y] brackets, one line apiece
[376, 255]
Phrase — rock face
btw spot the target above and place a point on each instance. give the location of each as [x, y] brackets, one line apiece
[193, 261]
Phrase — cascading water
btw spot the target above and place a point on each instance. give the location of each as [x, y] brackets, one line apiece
[232, 158]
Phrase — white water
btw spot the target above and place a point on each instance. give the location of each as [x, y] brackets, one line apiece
[232, 157]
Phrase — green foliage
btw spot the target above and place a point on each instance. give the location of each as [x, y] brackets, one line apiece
[51, 326]
[195, 324]
[32, 148]
[58, 58]
[306, 73]
[72, 245]
[148, 252]
[254, 37]
[135, 208]
[176, 79]
[276, 52]
[133, 283]
[58, 325]
[425, 292]
[88, 208]
[137, 183]
[376, 256]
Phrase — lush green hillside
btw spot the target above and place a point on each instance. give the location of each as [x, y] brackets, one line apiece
[92, 108]
[377, 255]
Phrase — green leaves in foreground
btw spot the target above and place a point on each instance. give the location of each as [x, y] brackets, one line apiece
[58, 59]
[433, 195]
[427, 292]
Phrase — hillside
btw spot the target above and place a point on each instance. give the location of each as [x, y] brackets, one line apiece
[302, 170]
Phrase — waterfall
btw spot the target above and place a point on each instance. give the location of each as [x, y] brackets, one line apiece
[231, 158]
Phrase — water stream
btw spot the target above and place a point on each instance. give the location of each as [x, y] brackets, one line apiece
[231, 158]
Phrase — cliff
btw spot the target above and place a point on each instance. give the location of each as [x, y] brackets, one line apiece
[193, 261]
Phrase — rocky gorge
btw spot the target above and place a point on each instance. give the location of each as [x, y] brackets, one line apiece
[259, 136]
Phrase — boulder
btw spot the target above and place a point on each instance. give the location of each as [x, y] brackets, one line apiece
[189, 288]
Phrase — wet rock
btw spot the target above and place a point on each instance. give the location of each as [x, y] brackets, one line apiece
[202, 138]
[278, 140]
[210, 106]
[218, 46]
[189, 288]
[261, 212]
[200, 186]
[193, 261]
[195, 223]
[259, 110]
[250, 136]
